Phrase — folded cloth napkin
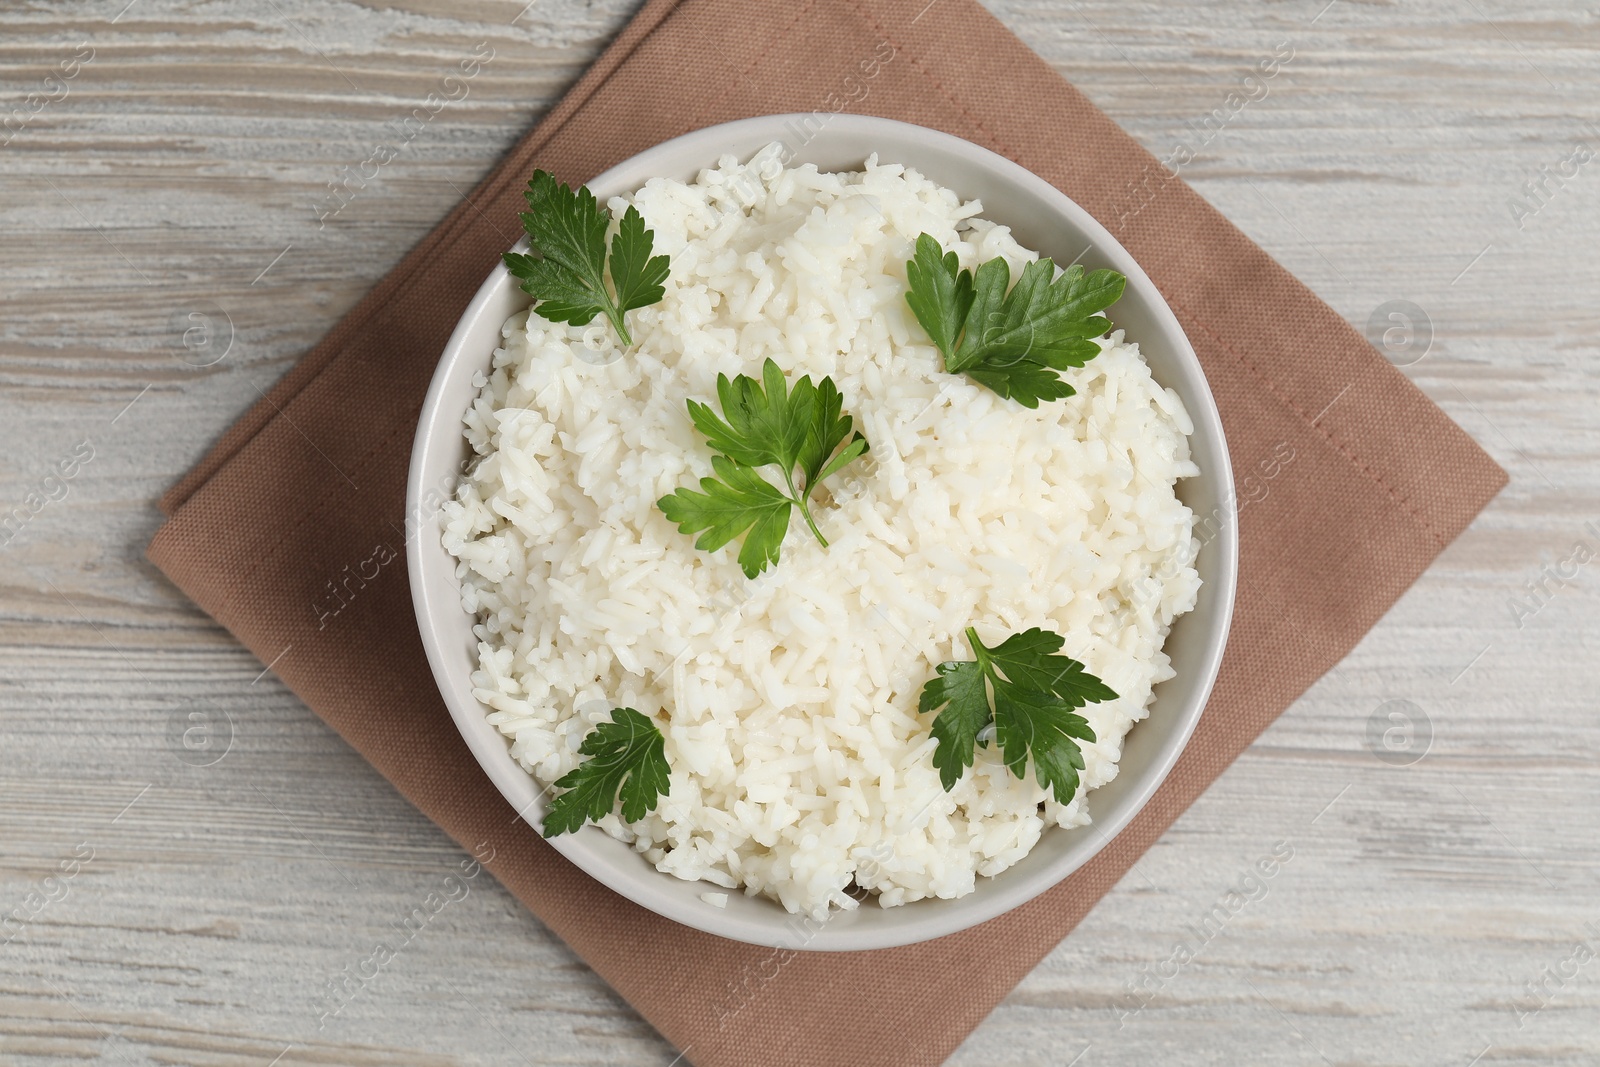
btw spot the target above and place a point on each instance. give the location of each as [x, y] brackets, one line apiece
[308, 488]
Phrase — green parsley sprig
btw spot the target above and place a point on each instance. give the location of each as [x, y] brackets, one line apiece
[1015, 342]
[1035, 692]
[626, 755]
[763, 424]
[567, 229]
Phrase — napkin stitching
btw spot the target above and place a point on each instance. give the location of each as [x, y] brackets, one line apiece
[773, 43]
[271, 551]
[1288, 401]
[937, 84]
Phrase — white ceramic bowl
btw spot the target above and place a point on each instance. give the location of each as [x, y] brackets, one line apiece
[1043, 219]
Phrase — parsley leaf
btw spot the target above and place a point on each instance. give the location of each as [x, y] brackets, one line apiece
[628, 754]
[1014, 342]
[763, 423]
[1035, 692]
[735, 501]
[567, 229]
[940, 294]
[636, 274]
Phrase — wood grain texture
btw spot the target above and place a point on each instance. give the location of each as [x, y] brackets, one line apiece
[159, 209]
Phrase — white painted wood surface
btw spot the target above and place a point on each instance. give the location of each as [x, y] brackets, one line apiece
[1430, 914]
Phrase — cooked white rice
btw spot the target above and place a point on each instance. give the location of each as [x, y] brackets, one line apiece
[800, 766]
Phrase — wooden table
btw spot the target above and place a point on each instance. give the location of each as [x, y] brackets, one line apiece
[160, 203]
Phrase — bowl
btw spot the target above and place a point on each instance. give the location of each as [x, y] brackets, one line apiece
[1043, 219]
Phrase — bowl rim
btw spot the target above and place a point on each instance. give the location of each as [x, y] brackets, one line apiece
[491, 748]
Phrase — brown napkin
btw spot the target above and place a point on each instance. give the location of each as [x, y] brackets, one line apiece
[311, 482]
